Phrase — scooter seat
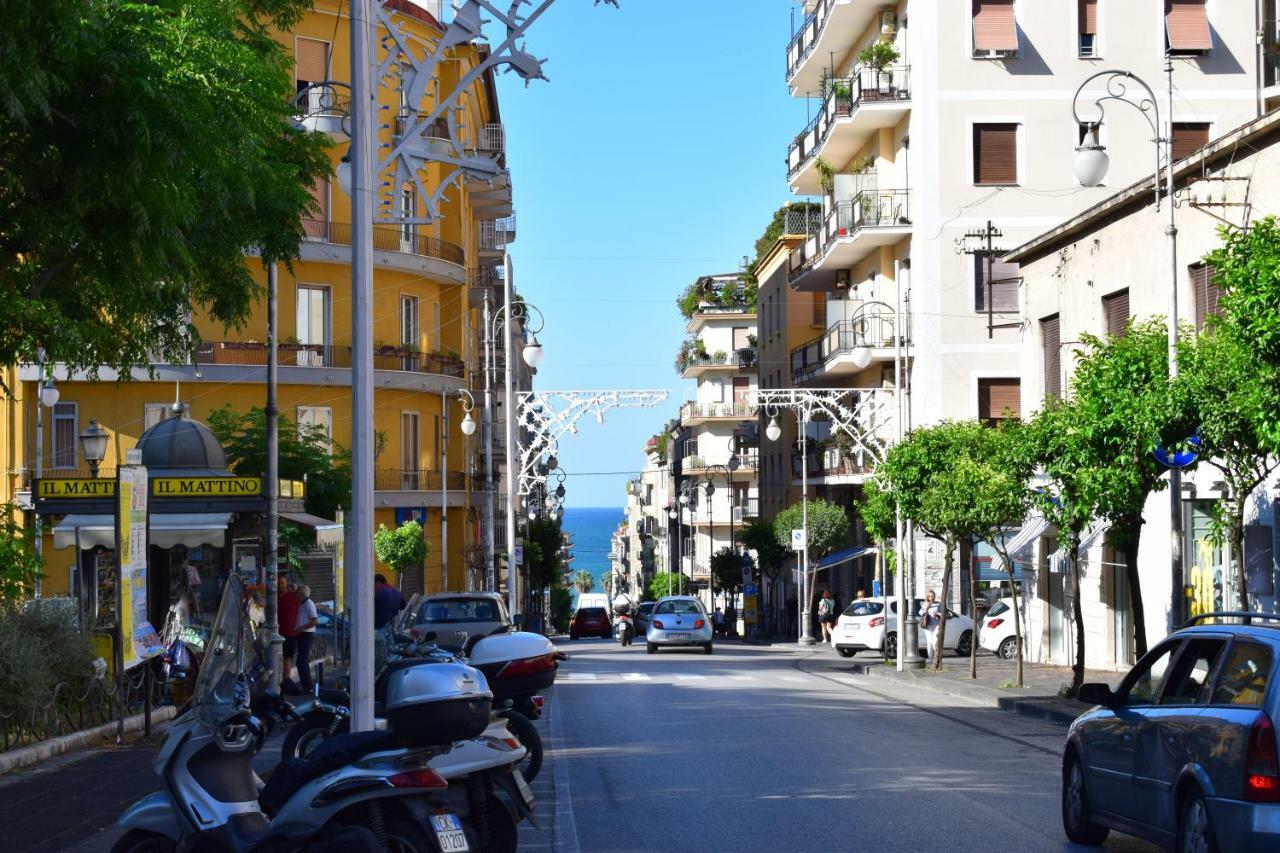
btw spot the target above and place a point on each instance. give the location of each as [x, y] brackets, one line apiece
[335, 752]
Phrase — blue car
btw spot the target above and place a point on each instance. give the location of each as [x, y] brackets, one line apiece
[1184, 752]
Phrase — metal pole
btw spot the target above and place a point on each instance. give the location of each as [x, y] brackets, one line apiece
[1177, 600]
[360, 575]
[806, 636]
[900, 587]
[491, 580]
[271, 628]
[444, 493]
[39, 459]
[509, 425]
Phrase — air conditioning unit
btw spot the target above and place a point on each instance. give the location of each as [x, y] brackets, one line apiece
[888, 23]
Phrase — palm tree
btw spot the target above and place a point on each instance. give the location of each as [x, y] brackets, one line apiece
[584, 581]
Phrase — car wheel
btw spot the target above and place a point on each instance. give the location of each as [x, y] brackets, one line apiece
[650, 648]
[891, 646]
[707, 649]
[1195, 829]
[845, 653]
[1008, 648]
[1075, 806]
[573, 636]
[965, 647]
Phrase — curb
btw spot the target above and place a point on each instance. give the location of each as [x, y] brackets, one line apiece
[1048, 709]
[88, 738]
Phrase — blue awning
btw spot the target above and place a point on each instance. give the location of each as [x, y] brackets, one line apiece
[839, 557]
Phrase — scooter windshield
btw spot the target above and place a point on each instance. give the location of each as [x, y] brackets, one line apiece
[215, 696]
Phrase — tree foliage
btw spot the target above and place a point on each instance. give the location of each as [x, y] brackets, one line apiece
[1247, 269]
[401, 548]
[147, 147]
[542, 559]
[305, 453]
[20, 565]
[584, 581]
[828, 526]
[758, 536]
[668, 583]
[561, 608]
[726, 568]
[878, 513]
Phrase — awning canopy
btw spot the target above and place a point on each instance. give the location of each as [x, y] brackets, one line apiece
[840, 557]
[328, 533]
[189, 529]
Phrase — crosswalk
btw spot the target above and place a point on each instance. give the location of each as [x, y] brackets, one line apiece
[729, 678]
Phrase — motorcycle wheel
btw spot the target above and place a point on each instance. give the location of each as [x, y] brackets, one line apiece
[408, 836]
[523, 730]
[143, 841]
[307, 734]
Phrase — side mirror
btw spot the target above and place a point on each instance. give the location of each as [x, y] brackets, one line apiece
[518, 621]
[1096, 693]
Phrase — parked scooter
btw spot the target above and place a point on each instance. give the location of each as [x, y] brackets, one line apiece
[377, 783]
[624, 628]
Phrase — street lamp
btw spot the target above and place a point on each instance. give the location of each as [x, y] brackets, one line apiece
[93, 443]
[468, 425]
[1090, 163]
[48, 399]
[708, 482]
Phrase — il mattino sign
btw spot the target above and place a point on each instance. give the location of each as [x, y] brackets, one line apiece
[206, 487]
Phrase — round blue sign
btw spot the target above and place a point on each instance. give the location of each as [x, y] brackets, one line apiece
[749, 589]
[1179, 458]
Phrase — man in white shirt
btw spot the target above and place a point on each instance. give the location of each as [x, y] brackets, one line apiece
[306, 627]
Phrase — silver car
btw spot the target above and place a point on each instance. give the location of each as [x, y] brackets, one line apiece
[678, 620]
[456, 617]
[1184, 752]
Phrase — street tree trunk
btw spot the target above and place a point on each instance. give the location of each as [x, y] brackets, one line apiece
[973, 614]
[1133, 533]
[1237, 547]
[942, 606]
[1077, 669]
[1017, 621]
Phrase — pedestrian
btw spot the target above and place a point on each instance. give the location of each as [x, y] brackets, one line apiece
[790, 614]
[826, 614]
[388, 601]
[862, 593]
[306, 633]
[287, 624]
[930, 616]
[719, 622]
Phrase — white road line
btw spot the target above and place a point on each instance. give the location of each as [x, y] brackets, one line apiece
[634, 676]
[743, 677]
[794, 679]
[690, 677]
[580, 676]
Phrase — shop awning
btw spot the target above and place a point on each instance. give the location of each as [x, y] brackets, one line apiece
[328, 533]
[840, 557]
[189, 529]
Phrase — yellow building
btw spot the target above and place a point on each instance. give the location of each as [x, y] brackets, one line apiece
[428, 282]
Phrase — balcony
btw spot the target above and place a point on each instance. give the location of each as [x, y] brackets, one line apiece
[853, 108]
[497, 234]
[746, 510]
[390, 238]
[741, 465]
[849, 455]
[324, 355]
[851, 230]
[399, 480]
[694, 364]
[321, 109]
[829, 29]
[692, 413]
[865, 338]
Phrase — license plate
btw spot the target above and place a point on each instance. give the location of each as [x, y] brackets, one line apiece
[449, 832]
[680, 636]
[525, 792]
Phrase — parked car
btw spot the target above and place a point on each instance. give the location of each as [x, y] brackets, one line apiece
[862, 627]
[678, 620]
[642, 616]
[590, 622]
[457, 616]
[1184, 752]
[996, 633]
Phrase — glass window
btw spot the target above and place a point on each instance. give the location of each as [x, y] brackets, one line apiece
[1143, 683]
[1189, 681]
[460, 610]
[864, 608]
[64, 435]
[677, 607]
[998, 608]
[1243, 681]
[313, 315]
[316, 418]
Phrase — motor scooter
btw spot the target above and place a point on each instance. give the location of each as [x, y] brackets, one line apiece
[624, 629]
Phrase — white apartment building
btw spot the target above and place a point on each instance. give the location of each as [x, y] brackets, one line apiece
[717, 448]
[936, 124]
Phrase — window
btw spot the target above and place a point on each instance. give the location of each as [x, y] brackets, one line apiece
[999, 399]
[995, 30]
[409, 457]
[1052, 342]
[819, 309]
[1243, 680]
[1002, 285]
[1186, 28]
[1207, 293]
[317, 224]
[741, 390]
[740, 334]
[995, 154]
[408, 210]
[1189, 137]
[1142, 685]
[1115, 312]
[310, 63]
[65, 430]
[409, 332]
[1190, 679]
[313, 314]
[1087, 21]
[316, 418]
[154, 413]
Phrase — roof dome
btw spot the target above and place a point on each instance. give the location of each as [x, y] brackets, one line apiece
[177, 442]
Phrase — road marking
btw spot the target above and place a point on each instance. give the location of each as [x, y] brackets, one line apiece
[634, 676]
[581, 676]
[690, 677]
[794, 679]
[743, 677]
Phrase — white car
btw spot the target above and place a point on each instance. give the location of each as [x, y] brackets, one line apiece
[862, 627]
[996, 634]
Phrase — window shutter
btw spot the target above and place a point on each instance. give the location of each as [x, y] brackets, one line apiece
[1189, 137]
[994, 26]
[820, 309]
[311, 60]
[1115, 312]
[1005, 278]
[1207, 293]
[995, 153]
[1187, 25]
[1088, 17]
[998, 396]
[1050, 334]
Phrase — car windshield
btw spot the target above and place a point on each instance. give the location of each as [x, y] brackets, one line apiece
[998, 608]
[677, 607]
[863, 607]
[591, 611]
[458, 610]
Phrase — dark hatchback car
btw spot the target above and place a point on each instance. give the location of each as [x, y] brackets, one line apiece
[1184, 752]
[590, 622]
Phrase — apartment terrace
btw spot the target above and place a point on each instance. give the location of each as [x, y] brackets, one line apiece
[393, 358]
[851, 230]
[829, 28]
[391, 238]
[693, 412]
[848, 346]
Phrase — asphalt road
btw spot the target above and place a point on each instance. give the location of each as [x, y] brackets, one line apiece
[767, 749]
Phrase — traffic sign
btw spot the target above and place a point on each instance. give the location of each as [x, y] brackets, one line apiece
[749, 589]
[797, 539]
[519, 552]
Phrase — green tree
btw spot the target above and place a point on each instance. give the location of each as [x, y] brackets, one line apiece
[543, 538]
[20, 565]
[401, 548]
[668, 583]
[758, 536]
[1234, 397]
[147, 147]
[561, 608]
[1247, 269]
[726, 569]
[828, 526]
[305, 453]
[584, 581]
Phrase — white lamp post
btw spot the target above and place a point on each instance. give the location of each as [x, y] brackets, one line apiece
[48, 399]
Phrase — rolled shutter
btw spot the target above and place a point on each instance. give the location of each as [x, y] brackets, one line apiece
[1050, 334]
[996, 397]
[995, 153]
[1189, 137]
[1187, 25]
[994, 25]
[1115, 310]
[311, 60]
[1207, 293]
[1088, 17]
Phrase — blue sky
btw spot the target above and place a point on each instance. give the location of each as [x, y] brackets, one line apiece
[654, 155]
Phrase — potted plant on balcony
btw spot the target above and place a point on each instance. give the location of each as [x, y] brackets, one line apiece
[826, 175]
[879, 57]
[843, 95]
[700, 349]
[720, 356]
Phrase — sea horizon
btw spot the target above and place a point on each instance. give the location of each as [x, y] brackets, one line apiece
[592, 530]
